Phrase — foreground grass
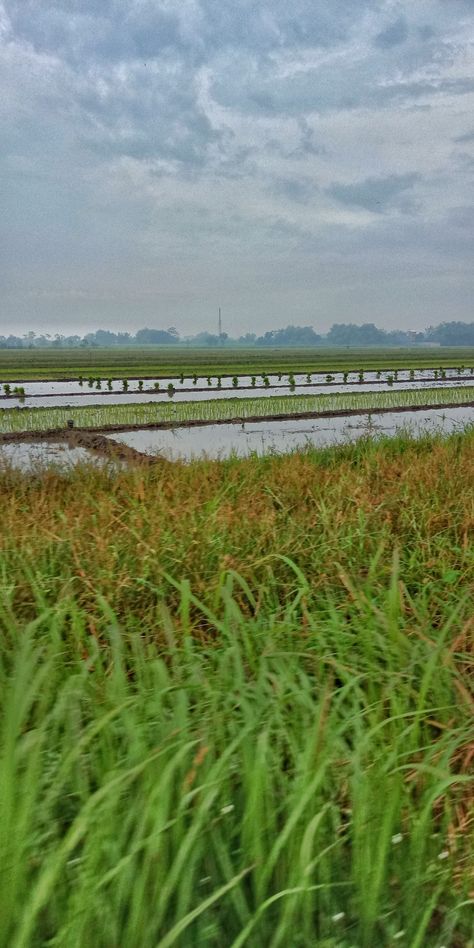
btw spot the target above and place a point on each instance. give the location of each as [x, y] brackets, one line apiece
[235, 702]
[225, 409]
[171, 360]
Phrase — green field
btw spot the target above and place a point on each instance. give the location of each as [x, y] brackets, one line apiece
[236, 702]
[65, 364]
[226, 409]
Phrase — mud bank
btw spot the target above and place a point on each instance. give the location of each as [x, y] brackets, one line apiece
[90, 439]
[95, 437]
[179, 389]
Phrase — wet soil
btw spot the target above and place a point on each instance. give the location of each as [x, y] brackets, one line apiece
[93, 439]
[90, 439]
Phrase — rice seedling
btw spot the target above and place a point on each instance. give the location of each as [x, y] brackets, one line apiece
[125, 385]
[7, 388]
[235, 381]
[253, 381]
[31, 419]
[168, 362]
[140, 385]
[110, 384]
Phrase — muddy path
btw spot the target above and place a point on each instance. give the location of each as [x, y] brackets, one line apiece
[94, 440]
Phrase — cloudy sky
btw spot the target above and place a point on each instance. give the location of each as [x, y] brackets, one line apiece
[308, 161]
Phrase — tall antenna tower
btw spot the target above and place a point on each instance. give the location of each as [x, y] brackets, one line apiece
[220, 323]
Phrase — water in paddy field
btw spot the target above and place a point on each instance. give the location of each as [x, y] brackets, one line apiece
[266, 437]
[37, 455]
[58, 387]
[71, 394]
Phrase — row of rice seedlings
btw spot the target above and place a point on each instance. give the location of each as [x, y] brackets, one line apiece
[387, 375]
[29, 419]
[391, 376]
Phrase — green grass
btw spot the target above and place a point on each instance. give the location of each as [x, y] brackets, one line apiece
[41, 419]
[235, 702]
[171, 360]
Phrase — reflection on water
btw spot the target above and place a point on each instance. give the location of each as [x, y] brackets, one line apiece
[220, 441]
[117, 397]
[29, 456]
[50, 393]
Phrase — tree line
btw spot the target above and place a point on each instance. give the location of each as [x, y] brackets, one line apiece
[340, 334]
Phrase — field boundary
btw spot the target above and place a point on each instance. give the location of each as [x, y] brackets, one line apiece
[178, 389]
[60, 433]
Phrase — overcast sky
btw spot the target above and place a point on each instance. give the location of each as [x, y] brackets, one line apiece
[308, 161]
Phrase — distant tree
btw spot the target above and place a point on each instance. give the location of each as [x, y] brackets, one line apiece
[291, 336]
[451, 334]
[103, 337]
[155, 337]
[348, 334]
[205, 339]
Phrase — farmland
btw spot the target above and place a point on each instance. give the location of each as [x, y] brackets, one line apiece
[236, 704]
[227, 409]
[170, 360]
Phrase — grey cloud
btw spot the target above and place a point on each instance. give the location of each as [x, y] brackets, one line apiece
[179, 145]
[300, 190]
[252, 86]
[393, 35]
[466, 138]
[115, 30]
[377, 194]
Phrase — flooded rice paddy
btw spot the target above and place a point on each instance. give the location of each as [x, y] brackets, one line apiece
[223, 440]
[218, 441]
[38, 455]
[72, 394]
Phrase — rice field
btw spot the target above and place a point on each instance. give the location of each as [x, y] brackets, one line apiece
[41, 419]
[24, 364]
[236, 702]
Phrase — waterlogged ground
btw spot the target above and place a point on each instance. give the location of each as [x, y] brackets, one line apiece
[220, 441]
[217, 441]
[71, 394]
[36, 455]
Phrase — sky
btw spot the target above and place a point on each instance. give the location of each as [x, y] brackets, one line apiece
[307, 162]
